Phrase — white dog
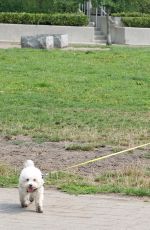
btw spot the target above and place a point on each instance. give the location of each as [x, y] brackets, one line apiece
[31, 186]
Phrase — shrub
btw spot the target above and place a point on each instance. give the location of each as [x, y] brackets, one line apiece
[45, 19]
[143, 22]
[134, 19]
[130, 14]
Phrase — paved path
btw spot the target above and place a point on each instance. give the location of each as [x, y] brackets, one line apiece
[6, 45]
[69, 212]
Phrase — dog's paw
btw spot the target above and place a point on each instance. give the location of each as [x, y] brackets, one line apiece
[24, 205]
[31, 199]
[39, 209]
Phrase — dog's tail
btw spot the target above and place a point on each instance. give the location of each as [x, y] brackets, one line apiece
[29, 163]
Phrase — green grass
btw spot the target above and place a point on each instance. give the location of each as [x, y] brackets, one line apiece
[98, 97]
[147, 155]
[80, 146]
[8, 176]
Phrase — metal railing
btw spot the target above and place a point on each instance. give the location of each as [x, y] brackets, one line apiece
[89, 10]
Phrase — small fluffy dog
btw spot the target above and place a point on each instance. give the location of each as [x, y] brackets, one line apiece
[31, 186]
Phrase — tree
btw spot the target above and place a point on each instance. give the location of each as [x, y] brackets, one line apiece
[143, 6]
[108, 4]
[44, 6]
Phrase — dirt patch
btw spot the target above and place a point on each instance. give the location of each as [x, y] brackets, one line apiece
[51, 156]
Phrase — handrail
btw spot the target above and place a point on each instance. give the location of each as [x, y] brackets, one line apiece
[105, 13]
[87, 9]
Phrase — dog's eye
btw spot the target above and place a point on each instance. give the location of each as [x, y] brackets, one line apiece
[34, 179]
[27, 179]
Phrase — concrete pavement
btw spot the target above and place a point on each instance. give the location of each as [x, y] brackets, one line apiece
[69, 212]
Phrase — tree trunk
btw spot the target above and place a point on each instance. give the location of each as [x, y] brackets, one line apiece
[108, 42]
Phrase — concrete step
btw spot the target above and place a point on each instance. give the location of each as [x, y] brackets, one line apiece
[100, 41]
[97, 29]
[99, 37]
[98, 32]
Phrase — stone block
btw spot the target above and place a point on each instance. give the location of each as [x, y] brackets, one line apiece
[60, 40]
[42, 41]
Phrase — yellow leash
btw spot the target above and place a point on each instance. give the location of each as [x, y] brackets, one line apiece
[101, 158]
[107, 156]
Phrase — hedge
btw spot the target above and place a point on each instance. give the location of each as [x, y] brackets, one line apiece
[66, 19]
[143, 22]
[130, 14]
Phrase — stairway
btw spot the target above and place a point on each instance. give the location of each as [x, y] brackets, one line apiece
[99, 37]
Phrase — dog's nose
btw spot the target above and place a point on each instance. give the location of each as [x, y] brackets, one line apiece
[30, 185]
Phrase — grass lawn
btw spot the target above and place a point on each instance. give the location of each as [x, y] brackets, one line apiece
[91, 98]
[97, 97]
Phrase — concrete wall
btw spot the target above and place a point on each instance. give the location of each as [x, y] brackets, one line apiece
[120, 35]
[124, 35]
[76, 34]
[137, 36]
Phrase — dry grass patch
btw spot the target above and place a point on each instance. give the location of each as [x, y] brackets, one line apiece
[131, 180]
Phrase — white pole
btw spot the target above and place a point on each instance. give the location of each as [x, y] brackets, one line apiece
[96, 18]
[90, 8]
